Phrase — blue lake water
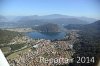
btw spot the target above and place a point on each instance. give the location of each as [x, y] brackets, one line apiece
[46, 35]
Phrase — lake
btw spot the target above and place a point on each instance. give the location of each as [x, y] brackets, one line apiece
[46, 35]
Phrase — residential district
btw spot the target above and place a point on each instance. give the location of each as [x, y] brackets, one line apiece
[41, 52]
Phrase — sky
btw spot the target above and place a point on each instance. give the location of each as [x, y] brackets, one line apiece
[87, 8]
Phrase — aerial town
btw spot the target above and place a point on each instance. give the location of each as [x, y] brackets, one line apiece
[43, 52]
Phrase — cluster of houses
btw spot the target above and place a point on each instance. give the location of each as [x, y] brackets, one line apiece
[47, 49]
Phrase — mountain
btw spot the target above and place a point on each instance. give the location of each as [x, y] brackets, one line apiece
[49, 27]
[68, 21]
[3, 19]
[73, 26]
[30, 21]
[55, 18]
[52, 16]
[90, 20]
[89, 43]
[59, 21]
[93, 27]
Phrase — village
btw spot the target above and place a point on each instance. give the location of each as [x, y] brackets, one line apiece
[35, 49]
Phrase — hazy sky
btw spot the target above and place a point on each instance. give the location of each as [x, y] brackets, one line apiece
[89, 8]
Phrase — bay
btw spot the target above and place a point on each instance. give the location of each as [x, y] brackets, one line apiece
[46, 35]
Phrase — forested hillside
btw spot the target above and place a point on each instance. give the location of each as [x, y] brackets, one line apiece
[49, 27]
[6, 36]
[88, 44]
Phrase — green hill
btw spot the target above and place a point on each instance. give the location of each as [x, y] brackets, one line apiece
[88, 44]
[49, 27]
[6, 36]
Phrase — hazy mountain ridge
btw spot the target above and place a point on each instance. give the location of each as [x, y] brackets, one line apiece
[30, 21]
[3, 19]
